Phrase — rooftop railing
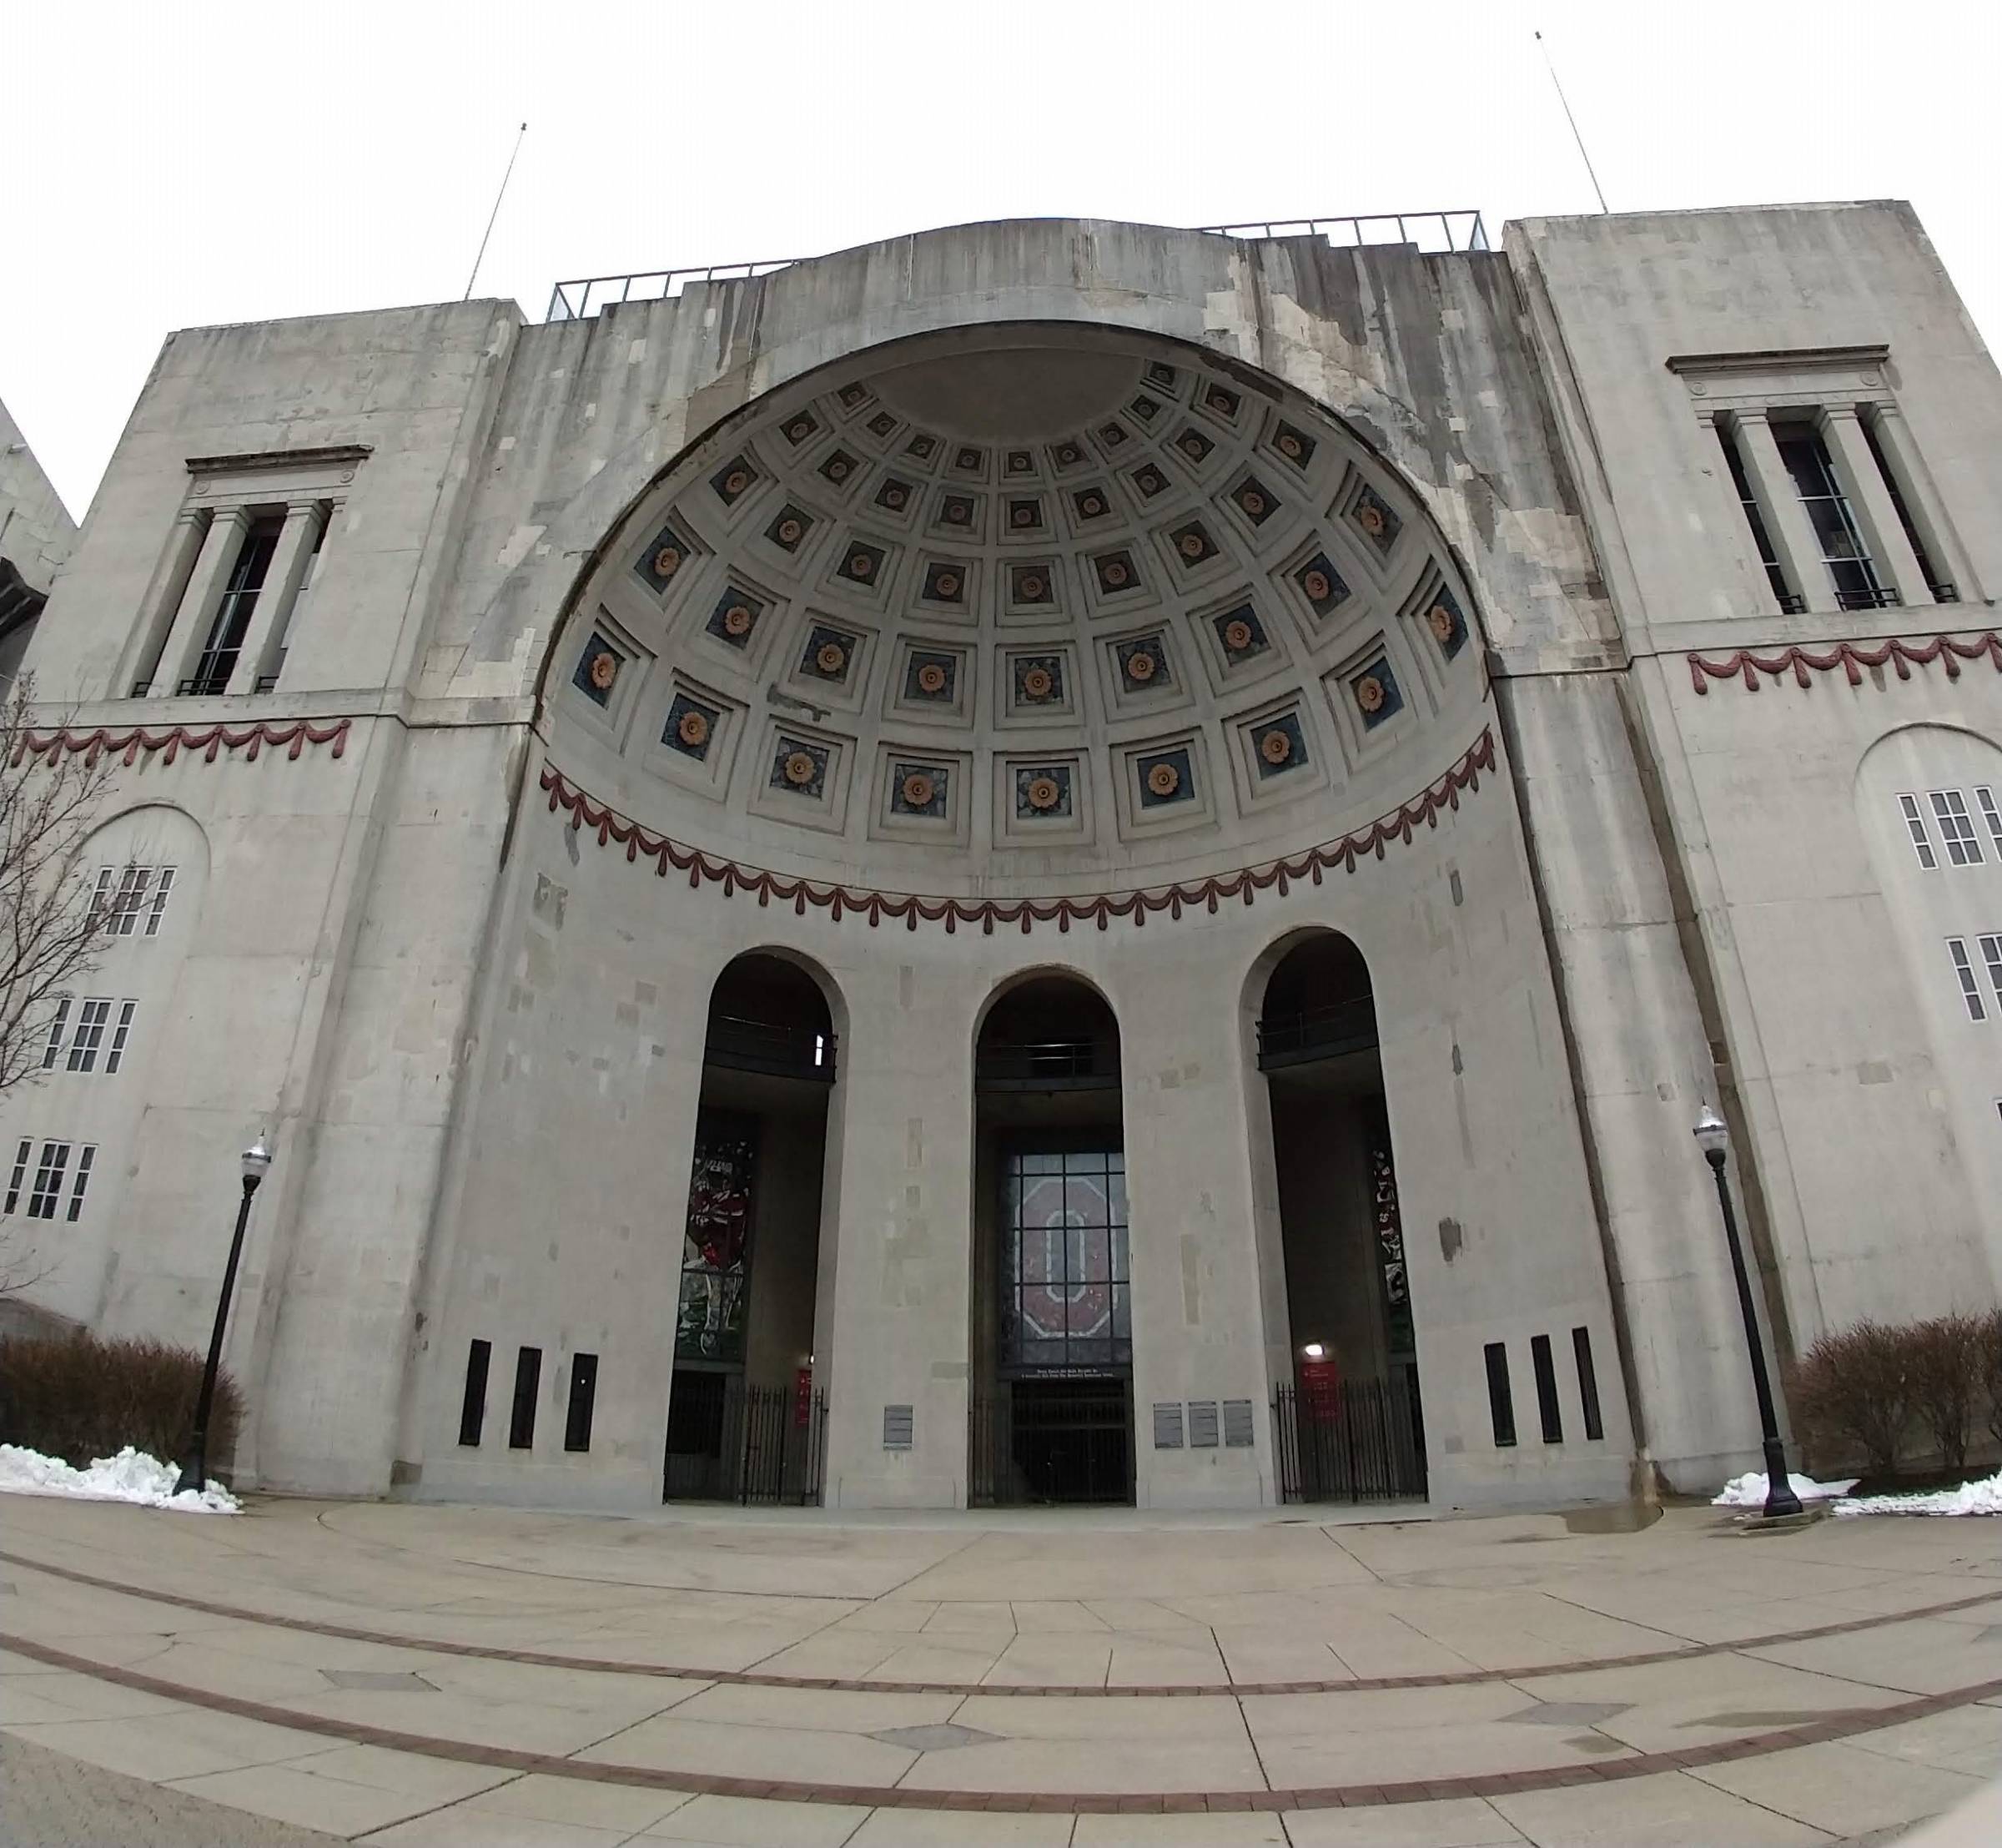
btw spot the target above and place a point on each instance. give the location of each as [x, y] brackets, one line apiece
[586, 296]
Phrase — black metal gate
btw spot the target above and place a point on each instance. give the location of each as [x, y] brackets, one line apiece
[1357, 1441]
[1044, 1442]
[727, 1442]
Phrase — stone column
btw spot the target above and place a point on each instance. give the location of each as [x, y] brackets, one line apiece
[1862, 481]
[1787, 522]
[1921, 501]
[204, 594]
[282, 579]
[163, 599]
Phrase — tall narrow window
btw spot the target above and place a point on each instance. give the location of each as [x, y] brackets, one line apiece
[1984, 799]
[89, 1035]
[1500, 1401]
[48, 1180]
[18, 1179]
[225, 639]
[1588, 1383]
[1991, 954]
[583, 1396]
[1775, 577]
[131, 899]
[100, 899]
[472, 1408]
[86, 1157]
[1849, 566]
[528, 1380]
[1941, 592]
[115, 1055]
[1549, 1415]
[161, 887]
[1956, 827]
[1914, 823]
[1970, 987]
[53, 1049]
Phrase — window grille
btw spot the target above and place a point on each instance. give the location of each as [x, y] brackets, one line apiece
[47, 1193]
[1775, 575]
[86, 1157]
[120, 1034]
[89, 1034]
[1970, 989]
[1064, 1279]
[18, 1179]
[53, 1051]
[1914, 821]
[1956, 827]
[1847, 560]
[161, 887]
[1991, 954]
[232, 619]
[1985, 797]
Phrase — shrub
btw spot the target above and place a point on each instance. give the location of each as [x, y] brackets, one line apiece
[79, 1397]
[1946, 1369]
[1991, 1369]
[1853, 1391]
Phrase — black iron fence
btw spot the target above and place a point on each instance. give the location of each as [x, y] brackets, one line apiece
[1048, 1441]
[727, 1442]
[1355, 1441]
[759, 1046]
[1316, 1033]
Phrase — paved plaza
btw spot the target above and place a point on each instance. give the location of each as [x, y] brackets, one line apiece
[459, 1675]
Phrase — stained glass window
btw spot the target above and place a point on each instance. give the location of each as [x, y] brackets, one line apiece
[1065, 1282]
[716, 1245]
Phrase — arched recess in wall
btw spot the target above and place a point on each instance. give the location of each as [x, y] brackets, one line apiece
[1341, 1347]
[1928, 802]
[146, 870]
[753, 1324]
[1016, 615]
[1050, 1336]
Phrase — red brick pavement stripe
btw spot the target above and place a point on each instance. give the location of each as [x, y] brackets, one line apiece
[752, 1678]
[1348, 1797]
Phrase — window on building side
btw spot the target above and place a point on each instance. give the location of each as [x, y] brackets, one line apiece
[47, 1193]
[86, 1157]
[1991, 954]
[1922, 840]
[89, 1034]
[1847, 560]
[1970, 987]
[120, 1034]
[1984, 799]
[225, 639]
[1775, 575]
[1941, 592]
[1956, 827]
[18, 1178]
[57, 1027]
[141, 892]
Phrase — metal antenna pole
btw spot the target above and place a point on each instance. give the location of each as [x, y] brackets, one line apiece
[496, 212]
[1573, 120]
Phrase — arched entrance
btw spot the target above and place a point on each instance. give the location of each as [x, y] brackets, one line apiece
[744, 1420]
[1051, 1409]
[1346, 1414]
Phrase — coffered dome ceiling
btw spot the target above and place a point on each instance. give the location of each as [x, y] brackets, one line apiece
[1019, 604]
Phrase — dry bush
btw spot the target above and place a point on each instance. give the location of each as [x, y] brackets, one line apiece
[1854, 1390]
[1946, 1366]
[1991, 1369]
[79, 1397]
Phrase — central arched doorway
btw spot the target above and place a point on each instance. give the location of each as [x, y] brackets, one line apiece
[1051, 1418]
[1347, 1419]
[745, 1421]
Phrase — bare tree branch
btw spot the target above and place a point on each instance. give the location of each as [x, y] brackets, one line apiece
[52, 932]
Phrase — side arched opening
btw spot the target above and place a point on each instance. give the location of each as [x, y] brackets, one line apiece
[1346, 1404]
[1051, 1409]
[744, 1420]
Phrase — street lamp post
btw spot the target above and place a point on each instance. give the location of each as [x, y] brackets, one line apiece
[256, 1164]
[1713, 1138]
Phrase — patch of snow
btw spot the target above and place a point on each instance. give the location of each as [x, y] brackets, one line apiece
[1750, 1491]
[131, 1476]
[1981, 1498]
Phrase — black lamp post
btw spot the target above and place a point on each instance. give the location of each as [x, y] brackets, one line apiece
[1713, 1138]
[256, 1164]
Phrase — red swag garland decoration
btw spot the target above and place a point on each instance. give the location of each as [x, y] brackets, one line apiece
[208, 740]
[1099, 909]
[1851, 657]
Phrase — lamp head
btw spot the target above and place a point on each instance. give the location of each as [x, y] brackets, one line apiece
[1713, 1136]
[1313, 1351]
[255, 1162]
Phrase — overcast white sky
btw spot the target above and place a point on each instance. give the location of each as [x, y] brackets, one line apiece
[170, 165]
